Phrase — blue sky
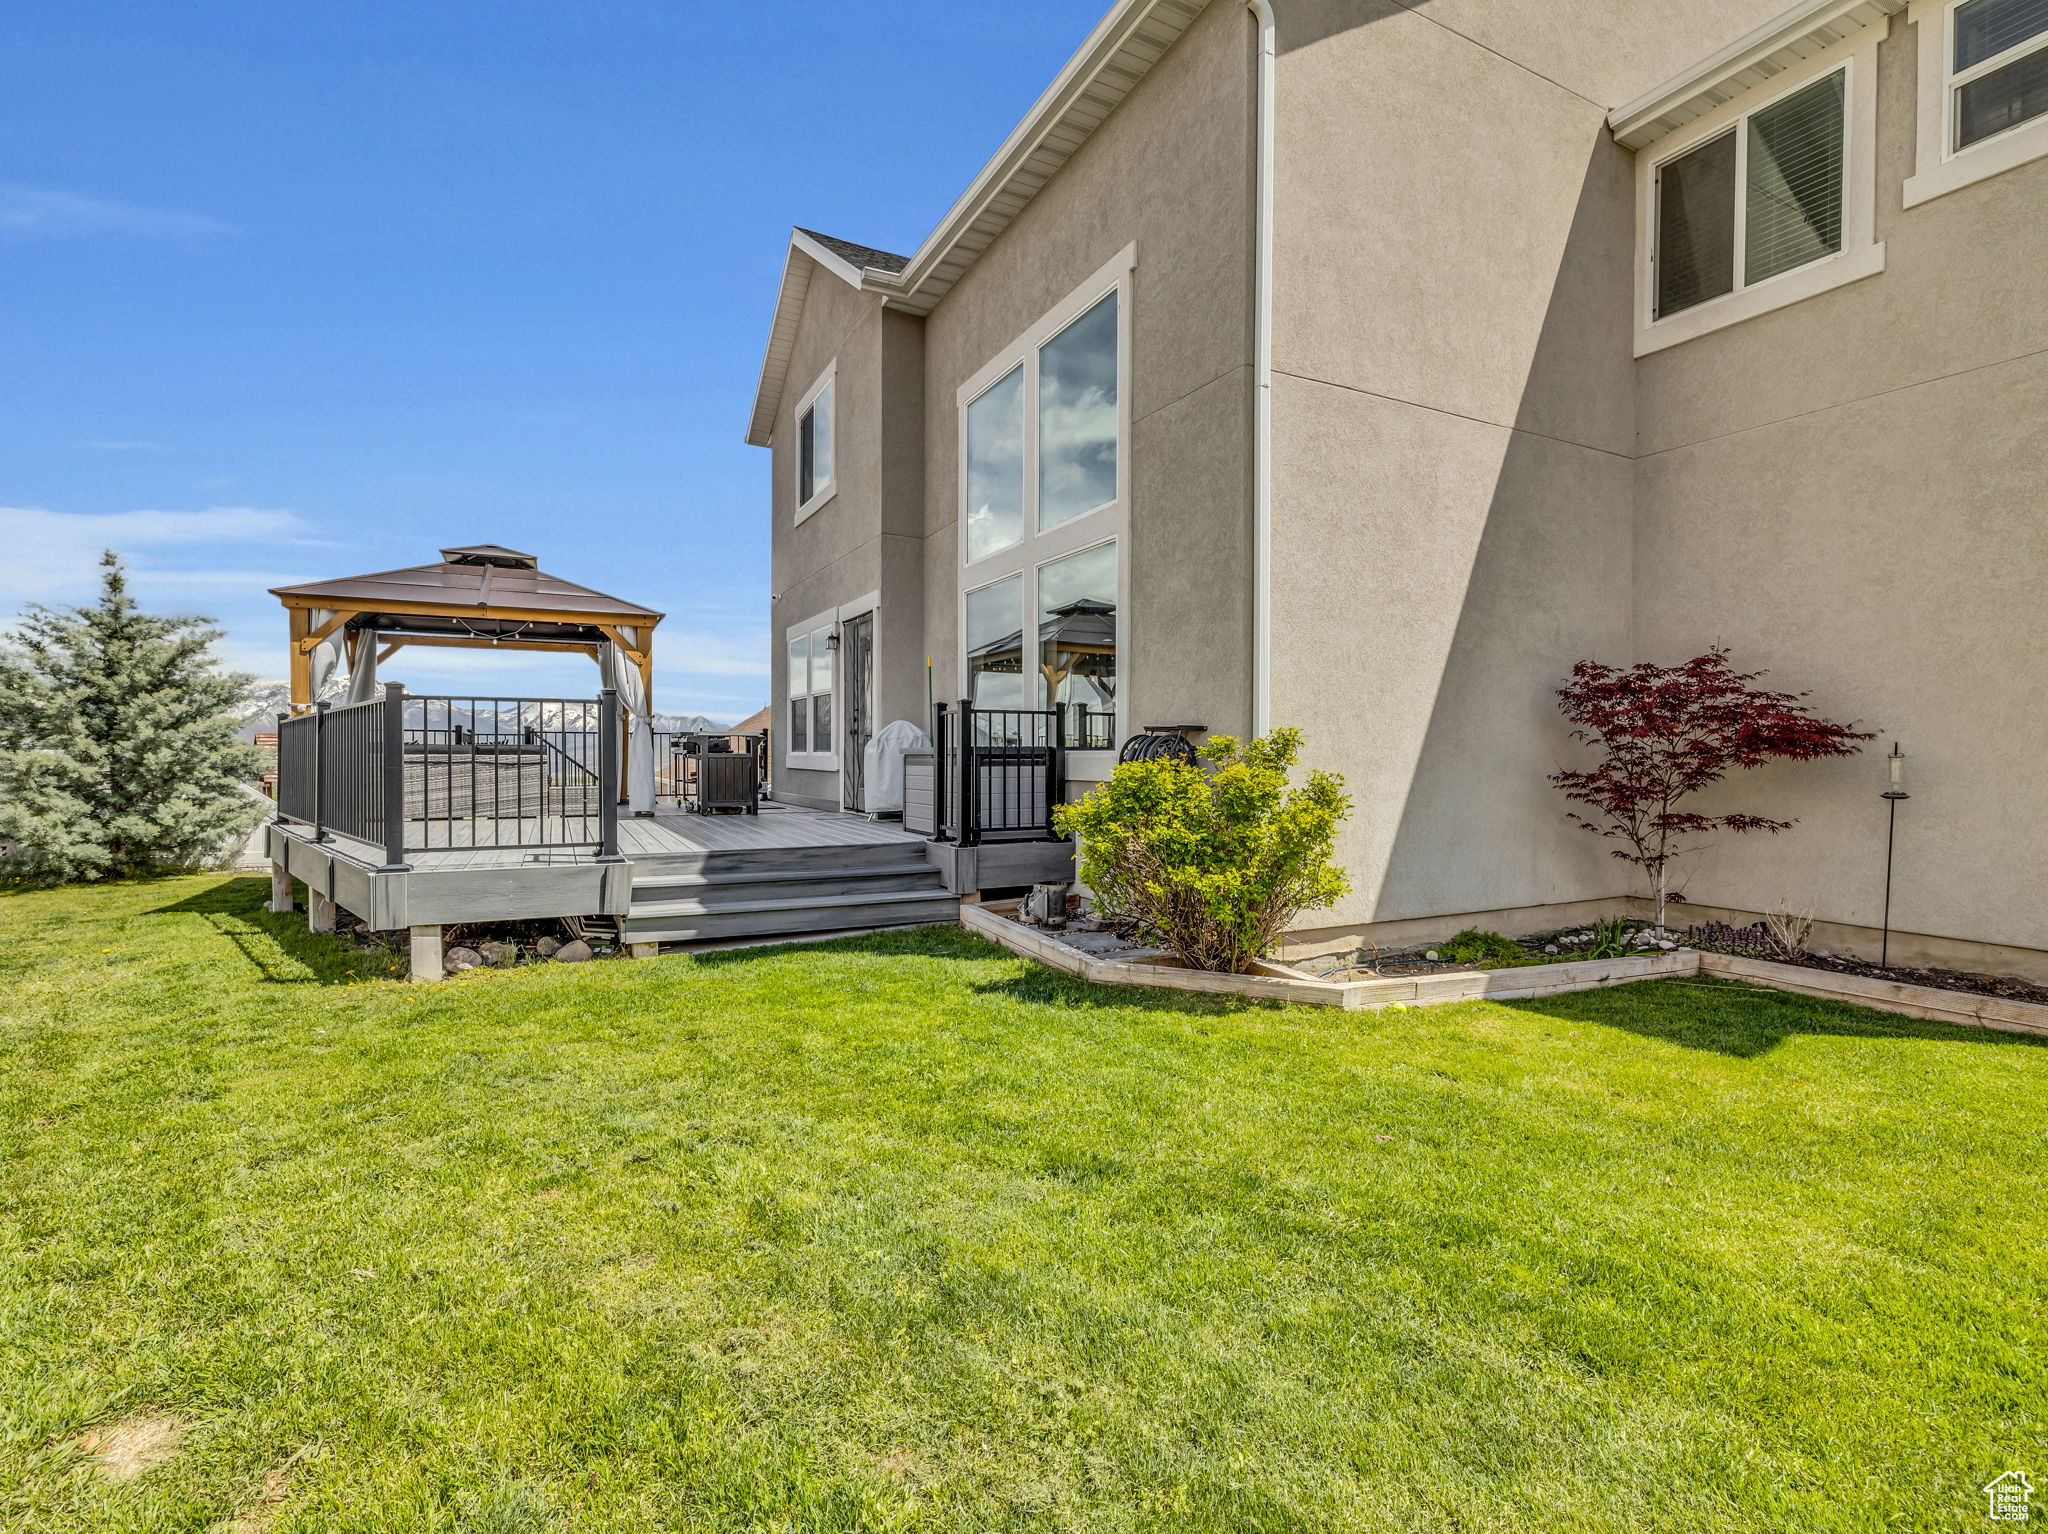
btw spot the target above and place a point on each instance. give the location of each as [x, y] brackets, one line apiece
[298, 291]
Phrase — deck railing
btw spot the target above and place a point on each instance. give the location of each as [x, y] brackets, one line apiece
[1001, 773]
[414, 773]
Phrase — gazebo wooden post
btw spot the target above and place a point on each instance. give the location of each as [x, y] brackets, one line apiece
[301, 658]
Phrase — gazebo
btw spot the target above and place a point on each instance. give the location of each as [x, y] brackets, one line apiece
[483, 597]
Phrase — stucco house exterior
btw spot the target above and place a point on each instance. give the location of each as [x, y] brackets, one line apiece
[1360, 366]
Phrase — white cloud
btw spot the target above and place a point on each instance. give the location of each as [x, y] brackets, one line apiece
[54, 555]
[28, 212]
[711, 654]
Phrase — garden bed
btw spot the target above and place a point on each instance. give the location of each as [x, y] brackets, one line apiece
[1104, 958]
[1108, 960]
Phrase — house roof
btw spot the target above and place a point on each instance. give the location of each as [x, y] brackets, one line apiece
[1751, 59]
[858, 256]
[481, 579]
[1121, 50]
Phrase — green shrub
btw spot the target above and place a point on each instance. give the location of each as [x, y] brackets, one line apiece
[1612, 939]
[1214, 865]
[1473, 946]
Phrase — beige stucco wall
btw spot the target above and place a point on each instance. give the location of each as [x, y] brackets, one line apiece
[1453, 430]
[1849, 492]
[1169, 171]
[1476, 485]
[838, 553]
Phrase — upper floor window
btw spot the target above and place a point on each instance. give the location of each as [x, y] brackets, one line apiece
[814, 480]
[1999, 67]
[1765, 200]
[1062, 398]
[1761, 199]
[1983, 91]
[1043, 497]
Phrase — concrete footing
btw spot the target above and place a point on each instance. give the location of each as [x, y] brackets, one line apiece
[642, 950]
[426, 955]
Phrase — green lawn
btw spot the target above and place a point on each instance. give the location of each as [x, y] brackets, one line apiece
[903, 1233]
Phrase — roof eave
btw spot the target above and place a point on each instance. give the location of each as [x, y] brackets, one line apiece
[1751, 59]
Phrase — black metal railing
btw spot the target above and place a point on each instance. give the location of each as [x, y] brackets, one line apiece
[1001, 773]
[1086, 729]
[418, 774]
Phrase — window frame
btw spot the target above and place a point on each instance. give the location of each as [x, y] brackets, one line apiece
[1861, 255]
[1939, 167]
[811, 759]
[820, 494]
[1109, 522]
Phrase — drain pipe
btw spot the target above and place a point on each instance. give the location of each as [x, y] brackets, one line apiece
[1262, 384]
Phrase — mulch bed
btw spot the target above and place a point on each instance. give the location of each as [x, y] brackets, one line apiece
[2004, 987]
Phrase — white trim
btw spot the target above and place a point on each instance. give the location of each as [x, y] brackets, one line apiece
[1107, 523]
[1860, 256]
[1262, 386]
[830, 487]
[1778, 45]
[808, 760]
[1939, 168]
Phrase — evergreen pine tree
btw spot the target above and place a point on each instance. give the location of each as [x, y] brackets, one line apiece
[117, 754]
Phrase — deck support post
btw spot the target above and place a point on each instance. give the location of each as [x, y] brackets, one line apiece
[320, 911]
[426, 955]
[642, 950]
[280, 888]
[608, 769]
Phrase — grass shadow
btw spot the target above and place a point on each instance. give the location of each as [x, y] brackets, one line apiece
[1037, 984]
[1727, 1017]
[236, 909]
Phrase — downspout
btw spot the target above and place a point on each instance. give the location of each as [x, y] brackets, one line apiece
[1262, 383]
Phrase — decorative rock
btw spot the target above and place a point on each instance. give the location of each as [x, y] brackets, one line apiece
[455, 960]
[1550, 948]
[1666, 943]
[572, 953]
[498, 955]
[548, 947]
[1432, 954]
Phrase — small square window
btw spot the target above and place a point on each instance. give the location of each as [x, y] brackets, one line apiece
[1756, 202]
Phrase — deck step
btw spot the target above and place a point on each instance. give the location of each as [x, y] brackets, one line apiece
[644, 878]
[676, 922]
[835, 905]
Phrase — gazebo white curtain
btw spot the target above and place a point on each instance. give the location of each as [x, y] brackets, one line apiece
[362, 668]
[622, 675]
[326, 657]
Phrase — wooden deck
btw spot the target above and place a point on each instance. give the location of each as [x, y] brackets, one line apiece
[494, 882]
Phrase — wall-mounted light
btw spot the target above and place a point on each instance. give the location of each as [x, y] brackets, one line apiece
[1896, 763]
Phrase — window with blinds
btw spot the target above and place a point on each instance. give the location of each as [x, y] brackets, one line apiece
[1998, 67]
[1760, 200]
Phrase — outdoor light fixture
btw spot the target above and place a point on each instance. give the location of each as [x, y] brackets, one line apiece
[1892, 795]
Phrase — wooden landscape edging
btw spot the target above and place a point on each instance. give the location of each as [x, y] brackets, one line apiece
[1927, 1001]
[1280, 982]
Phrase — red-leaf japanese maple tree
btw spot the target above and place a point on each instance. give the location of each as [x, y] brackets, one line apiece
[1665, 732]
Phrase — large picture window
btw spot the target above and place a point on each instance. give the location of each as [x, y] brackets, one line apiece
[1043, 508]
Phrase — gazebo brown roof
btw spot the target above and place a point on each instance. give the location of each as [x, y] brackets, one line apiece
[480, 597]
